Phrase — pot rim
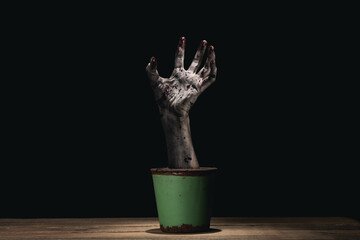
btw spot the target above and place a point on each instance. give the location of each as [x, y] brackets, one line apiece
[202, 171]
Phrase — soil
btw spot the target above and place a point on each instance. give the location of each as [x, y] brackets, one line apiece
[202, 171]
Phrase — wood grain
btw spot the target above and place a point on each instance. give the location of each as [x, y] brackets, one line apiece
[148, 228]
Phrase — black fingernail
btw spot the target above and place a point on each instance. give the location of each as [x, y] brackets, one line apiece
[203, 44]
[211, 49]
[153, 62]
[182, 42]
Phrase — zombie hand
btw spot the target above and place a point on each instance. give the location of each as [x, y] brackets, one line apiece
[180, 91]
[175, 96]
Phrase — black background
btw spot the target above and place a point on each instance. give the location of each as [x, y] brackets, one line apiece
[83, 128]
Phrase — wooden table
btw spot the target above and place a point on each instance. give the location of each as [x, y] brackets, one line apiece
[148, 228]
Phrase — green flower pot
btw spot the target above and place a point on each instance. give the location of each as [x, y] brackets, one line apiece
[183, 198]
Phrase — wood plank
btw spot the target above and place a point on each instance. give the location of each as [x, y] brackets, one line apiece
[148, 228]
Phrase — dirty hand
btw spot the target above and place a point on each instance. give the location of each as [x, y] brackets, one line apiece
[180, 91]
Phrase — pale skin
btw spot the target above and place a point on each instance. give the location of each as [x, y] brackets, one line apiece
[176, 95]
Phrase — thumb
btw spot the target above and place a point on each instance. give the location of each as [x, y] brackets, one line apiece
[151, 70]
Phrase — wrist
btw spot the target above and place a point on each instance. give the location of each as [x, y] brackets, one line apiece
[177, 133]
[173, 116]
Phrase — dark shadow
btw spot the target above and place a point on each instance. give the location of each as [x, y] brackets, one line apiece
[158, 231]
[355, 218]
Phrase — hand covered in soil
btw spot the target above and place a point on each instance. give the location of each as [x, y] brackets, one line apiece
[180, 91]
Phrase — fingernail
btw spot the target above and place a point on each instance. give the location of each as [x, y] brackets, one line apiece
[211, 49]
[202, 44]
[182, 42]
[153, 62]
[212, 61]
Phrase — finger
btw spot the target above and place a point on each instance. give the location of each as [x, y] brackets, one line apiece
[179, 54]
[210, 79]
[151, 70]
[198, 56]
[205, 70]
